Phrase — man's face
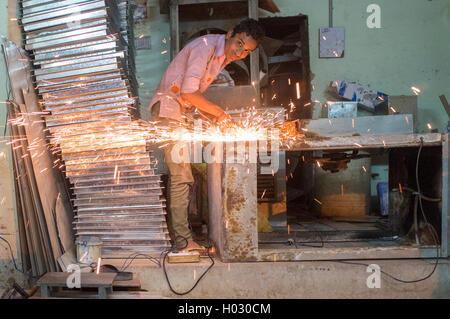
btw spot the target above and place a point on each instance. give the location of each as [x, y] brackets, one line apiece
[238, 46]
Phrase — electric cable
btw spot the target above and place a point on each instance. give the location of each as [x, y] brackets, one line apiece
[129, 260]
[306, 244]
[432, 230]
[14, 260]
[200, 278]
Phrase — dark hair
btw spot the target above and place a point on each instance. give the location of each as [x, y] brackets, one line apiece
[252, 27]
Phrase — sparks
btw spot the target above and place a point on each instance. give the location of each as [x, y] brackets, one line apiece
[264, 193]
[297, 88]
[99, 262]
[415, 90]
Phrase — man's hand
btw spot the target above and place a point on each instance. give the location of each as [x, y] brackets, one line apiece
[224, 117]
[206, 107]
[224, 120]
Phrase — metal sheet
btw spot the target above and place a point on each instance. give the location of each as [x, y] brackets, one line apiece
[82, 89]
[105, 169]
[98, 13]
[53, 13]
[48, 5]
[85, 73]
[56, 42]
[79, 49]
[77, 72]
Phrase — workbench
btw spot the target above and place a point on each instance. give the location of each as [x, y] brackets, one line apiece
[233, 203]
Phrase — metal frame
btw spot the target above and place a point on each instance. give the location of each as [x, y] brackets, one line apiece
[233, 202]
[445, 233]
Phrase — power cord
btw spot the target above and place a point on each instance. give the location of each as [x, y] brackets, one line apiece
[200, 278]
[14, 260]
[432, 230]
[293, 241]
[129, 260]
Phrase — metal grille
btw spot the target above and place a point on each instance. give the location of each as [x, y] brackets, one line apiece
[85, 76]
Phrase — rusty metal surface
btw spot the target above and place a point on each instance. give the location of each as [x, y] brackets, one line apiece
[374, 251]
[239, 212]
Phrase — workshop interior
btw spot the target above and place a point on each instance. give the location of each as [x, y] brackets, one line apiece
[357, 93]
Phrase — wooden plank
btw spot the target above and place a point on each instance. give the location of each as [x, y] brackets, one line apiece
[59, 279]
[269, 5]
[445, 241]
[445, 104]
[133, 283]
[254, 56]
[14, 31]
[174, 30]
[343, 211]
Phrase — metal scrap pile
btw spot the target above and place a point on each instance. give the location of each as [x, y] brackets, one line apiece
[83, 56]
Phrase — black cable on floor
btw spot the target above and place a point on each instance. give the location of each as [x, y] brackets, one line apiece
[432, 230]
[200, 278]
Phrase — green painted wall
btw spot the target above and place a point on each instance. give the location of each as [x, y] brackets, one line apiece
[410, 49]
[151, 64]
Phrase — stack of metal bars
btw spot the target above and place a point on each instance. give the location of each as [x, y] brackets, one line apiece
[84, 73]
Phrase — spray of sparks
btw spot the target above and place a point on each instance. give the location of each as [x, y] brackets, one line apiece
[248, 125]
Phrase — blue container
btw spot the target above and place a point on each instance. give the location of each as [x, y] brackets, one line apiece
[383, 194]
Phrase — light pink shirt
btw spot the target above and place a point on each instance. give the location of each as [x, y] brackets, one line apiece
[193, 69]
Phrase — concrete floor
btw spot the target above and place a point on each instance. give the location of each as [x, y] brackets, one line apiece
[299, 279]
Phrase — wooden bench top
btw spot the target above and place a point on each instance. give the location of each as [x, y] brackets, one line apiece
[86, 280]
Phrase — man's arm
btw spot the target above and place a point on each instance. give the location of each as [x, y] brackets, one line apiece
[204, 105]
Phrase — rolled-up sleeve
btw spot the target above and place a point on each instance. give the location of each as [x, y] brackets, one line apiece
[195, 67]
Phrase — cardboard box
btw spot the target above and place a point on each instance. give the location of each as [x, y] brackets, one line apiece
[358, 93]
